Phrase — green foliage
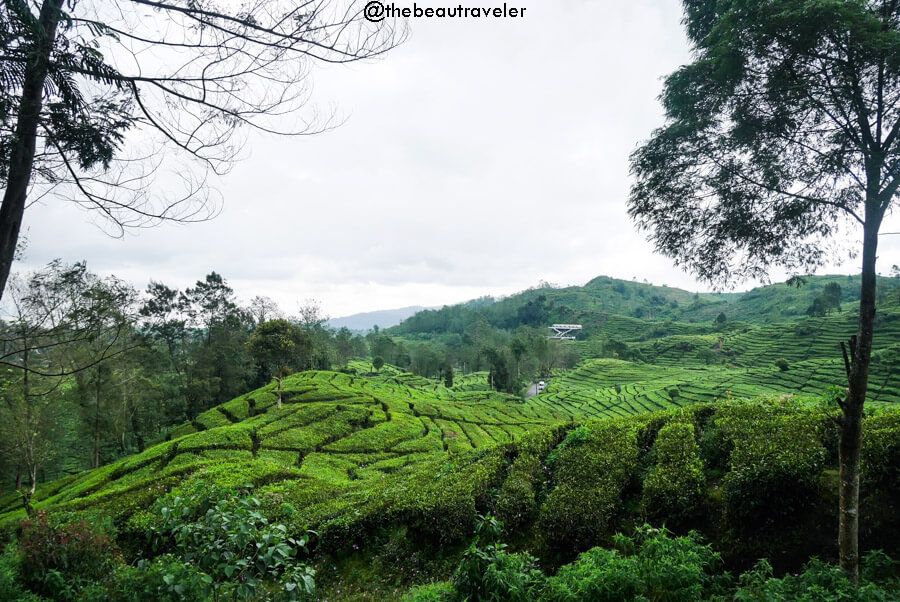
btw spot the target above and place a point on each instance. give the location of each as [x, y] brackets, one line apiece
[60, 558]
[442, 591]
[673, 488]
[880, 455]
[223, 533]
[575, 438]
[11, 587]
[775, 461]
[517, 502]
[818, 581]
[652, 566]
[448, 376]
[165, 578]
[782, 364]
[826, 302]
[490, 573]
[589, 478]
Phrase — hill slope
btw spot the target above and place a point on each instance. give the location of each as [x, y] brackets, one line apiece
[605, 296]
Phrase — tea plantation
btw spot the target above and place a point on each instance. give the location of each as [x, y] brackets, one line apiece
[374, 486]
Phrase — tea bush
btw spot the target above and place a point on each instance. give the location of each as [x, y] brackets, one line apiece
[517, 502]
[590, 469]
[775, 463]
[880, 481]
[674, 487]
[881, 452]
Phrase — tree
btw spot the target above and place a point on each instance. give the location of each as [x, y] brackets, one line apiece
[81, 83]
[316, 355]
[105, 315]
[832, 296]
[274, 344]
[518, 347]
[344, 347]
[499, 377]
[784, 130]
[895, 275]
[448, 375]
[66, 322]
[263, 309]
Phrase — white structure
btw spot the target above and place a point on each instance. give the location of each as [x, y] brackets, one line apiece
[562, 331]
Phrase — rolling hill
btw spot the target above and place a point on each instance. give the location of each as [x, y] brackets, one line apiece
[391, 471]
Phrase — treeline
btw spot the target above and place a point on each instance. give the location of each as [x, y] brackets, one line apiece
[512, 359]
[94, 370]
[530, 308]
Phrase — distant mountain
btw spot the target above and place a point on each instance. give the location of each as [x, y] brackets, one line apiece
[367, 320]
[594, 302]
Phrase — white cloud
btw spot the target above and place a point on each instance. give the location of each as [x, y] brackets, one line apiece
[478, 158]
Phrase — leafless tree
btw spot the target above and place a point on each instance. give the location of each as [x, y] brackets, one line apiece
[100, 99]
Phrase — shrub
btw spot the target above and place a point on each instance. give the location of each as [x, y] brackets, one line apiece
[782, 364]
[880, 466]
[576, 437]
[775, 466]
[10, 576]
[589, 481]
[60, 558]
[673, 488]
[817, 581]
[517, 502]
[491, 573]
[439, 500]
[880, 454]
[223, 533]
[164, 579]
[651, 566]
[432, 592]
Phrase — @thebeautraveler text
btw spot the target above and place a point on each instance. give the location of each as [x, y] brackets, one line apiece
[377, 11]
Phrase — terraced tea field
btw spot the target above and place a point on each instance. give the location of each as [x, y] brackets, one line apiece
[332, 427]
[337, 431]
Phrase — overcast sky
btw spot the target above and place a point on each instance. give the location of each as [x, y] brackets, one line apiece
[479, 158]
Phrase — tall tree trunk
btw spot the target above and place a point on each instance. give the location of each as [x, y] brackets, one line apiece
[850, 442]
[279, 380]
[21, 159]
[96, 459]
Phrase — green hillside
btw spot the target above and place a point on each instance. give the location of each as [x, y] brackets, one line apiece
[383, 477]
[396, 464]
[605, 298]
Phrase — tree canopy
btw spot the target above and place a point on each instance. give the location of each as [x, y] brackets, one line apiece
[783, 131]
[785, 126]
